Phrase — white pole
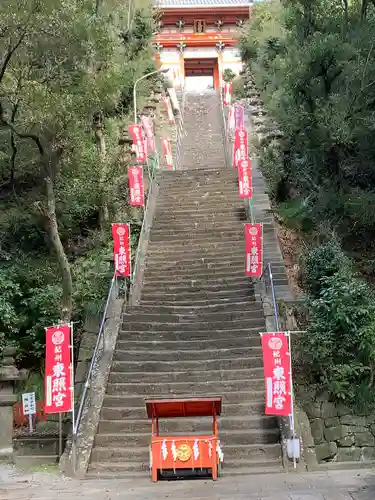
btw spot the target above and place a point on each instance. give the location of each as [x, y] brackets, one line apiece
[291, 417]
[30, 423]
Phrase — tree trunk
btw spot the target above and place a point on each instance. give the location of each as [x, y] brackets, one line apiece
[55, 242]
[100, 142]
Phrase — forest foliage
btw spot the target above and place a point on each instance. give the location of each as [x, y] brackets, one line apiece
[314, 63]
[67, 70]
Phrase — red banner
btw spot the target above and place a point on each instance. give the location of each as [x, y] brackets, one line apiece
[58, 370]
[240, 146]
[148, 126]
[121, 249]
[245, 181]
[227, 90]
[231, 123]
[167, 150]
[239, 116]
[168, 108]
[277, 373]
[136, 134]
[135, 178]
[254, 250]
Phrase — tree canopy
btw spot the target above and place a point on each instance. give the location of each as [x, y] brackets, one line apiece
[314, 63]
[67, 70]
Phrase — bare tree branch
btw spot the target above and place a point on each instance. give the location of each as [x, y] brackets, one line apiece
[21, 135]
[9, 54]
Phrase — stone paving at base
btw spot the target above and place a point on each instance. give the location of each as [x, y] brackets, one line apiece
[344, 485]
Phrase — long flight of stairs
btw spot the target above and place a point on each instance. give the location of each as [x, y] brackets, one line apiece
[196, 329]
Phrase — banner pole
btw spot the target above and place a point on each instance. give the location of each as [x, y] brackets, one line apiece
[74, 444]
[60, 435]
[291, 417]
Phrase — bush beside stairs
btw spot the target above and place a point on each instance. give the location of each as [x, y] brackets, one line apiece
[196, 329]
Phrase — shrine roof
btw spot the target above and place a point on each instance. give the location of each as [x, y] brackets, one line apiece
[193, 4]
[173, 408]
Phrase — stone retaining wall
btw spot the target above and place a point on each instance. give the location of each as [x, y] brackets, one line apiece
[340, 436]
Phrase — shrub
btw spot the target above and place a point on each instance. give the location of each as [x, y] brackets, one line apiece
[321, 263]
[339, 344]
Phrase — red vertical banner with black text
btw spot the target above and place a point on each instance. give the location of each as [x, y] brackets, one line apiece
[240, 146]
[148, 126]
[239, 116]
[227, 93]
[58, 383]
[245, 181]
[254, 250]
[231, 119]
[135, 178]
[167, 150]
[277, 373]
[136, 133]
[169, 110]
[121, 249]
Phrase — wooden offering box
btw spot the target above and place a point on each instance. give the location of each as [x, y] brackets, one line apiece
[177, 453]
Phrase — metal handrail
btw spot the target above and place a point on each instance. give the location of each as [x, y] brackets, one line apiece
[100, 340]
[180, 133]
[225, 130]
[268, 270]
[138, 251]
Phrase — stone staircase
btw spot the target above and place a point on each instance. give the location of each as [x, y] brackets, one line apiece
[203, 146]
[196, 328]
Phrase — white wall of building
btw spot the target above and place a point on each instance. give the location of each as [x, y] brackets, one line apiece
[200, 52]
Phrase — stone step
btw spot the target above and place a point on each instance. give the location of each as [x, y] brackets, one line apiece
[208, 386]
[180, 231]
[181, 334]
[213, 281]
[191, 242]
[187, 344]
[190, 225]
[235, 216]
[186, 355]
[235, 437]
[203, 295]
[192, 248]
[107, 474]
[251, 317]
[177, 313]
[188, 425]
[124, 466]
[187, 376]
[122, 413]
[132, 400]
[161, 236]
[240, 323]
[237, 453]
[273, 469]
[159, 368]
[248, 295]
[207, 264]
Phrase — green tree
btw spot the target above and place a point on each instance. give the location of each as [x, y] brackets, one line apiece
[66, 75]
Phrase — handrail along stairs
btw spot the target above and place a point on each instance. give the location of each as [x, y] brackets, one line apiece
[114, 289]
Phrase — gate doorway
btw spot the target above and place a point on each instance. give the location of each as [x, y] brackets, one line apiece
[207, 68]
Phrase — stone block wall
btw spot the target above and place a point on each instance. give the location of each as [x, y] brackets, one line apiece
[339, 435]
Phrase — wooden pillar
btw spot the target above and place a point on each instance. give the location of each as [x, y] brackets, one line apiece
[157, 60]
[181, 47]
[158, 48]
[182, 69]
[220, 47]
[216, 76]
[220, 65]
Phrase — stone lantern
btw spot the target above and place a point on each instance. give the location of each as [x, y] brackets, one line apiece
[9, 374]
